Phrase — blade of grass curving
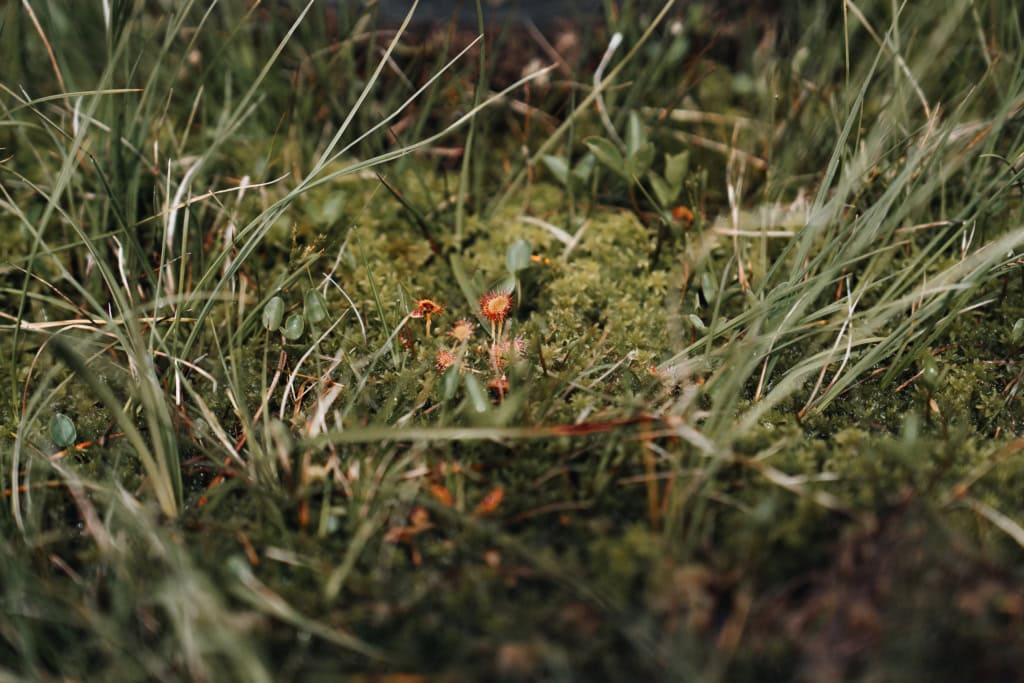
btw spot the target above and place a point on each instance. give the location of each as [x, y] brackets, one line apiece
[36, 101]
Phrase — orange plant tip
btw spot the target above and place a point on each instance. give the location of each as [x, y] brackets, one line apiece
[442, 495]
[495, 306]
[491, 501]
[426, 307]
[682, 214]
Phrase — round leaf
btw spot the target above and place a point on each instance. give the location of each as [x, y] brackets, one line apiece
[294, 326]
[931, 377]
[315, 306]
[518, 256]
[62, 430]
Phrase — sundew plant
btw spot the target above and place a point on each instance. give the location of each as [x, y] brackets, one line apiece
[668, 339]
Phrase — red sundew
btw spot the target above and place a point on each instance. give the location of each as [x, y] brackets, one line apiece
[462, 330]
[426, 308]
[495, 307]
[444, 360]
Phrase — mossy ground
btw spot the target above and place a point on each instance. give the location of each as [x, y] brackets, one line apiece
[640, 477]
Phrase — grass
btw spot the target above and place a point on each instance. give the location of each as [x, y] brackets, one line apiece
[752, 413]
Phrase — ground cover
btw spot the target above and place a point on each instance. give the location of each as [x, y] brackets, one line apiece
[334, 345]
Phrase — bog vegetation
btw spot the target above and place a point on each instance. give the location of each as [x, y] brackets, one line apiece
[671, 341]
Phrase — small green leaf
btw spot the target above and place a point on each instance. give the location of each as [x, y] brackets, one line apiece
[637, 164]
[708, 287]
[607, 154]
[294, 326]
[517, 257]
[584, 168]
[558, 167]
[450, 382]
[636, 136]
[662, 191]
[62, 430]
[315, 306]
[506, 284]
[1018, 331]
[476, 393]
[931, 377]
[676, 167]
[272, 313]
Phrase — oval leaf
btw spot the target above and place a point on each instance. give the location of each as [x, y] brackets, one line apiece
[62, 430]
[315, 306]
[642, 160]
[294, 326]
[272, 313]
[558, 167]
[676, 167]
[584, 169]
[518, 256]
[476, 393]
[662, 190]
[636, 136]
[708, 287]
[450, 382]
[607, 154]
